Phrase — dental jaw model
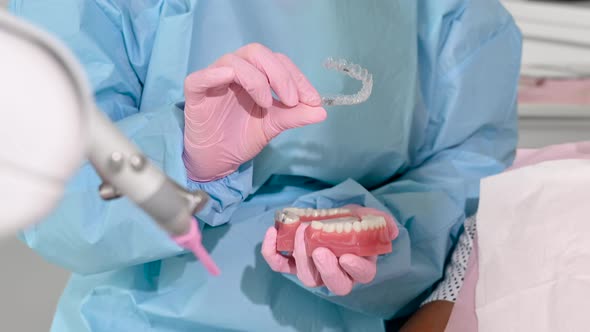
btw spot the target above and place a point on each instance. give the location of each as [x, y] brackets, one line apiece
[351, 229]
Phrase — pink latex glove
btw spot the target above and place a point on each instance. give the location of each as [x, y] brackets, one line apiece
[230, 114]
[339, 275]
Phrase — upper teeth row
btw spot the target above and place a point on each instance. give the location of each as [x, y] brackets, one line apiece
[367, 223]
[291, 215]
[316, 212]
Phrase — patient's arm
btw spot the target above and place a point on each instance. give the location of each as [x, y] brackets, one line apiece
[436, 309]
[432, 317]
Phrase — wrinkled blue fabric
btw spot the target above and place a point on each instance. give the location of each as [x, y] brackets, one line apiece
[441, 117]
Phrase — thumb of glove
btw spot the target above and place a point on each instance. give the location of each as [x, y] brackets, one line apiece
[281, 117]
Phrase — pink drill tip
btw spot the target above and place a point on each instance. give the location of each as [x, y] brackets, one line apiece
[192, 242]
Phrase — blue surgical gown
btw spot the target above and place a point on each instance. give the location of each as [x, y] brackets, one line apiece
[442, 116]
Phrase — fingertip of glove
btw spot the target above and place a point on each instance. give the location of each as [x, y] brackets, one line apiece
[322, 114]
[311, 98]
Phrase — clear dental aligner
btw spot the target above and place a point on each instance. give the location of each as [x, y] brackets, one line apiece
[347, 230]
[352, 70]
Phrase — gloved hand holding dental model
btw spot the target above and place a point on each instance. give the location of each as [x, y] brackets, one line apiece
[333, 247]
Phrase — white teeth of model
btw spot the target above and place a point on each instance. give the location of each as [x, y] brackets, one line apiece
[366, 221]
[339, 227]
[323, 212]
[357, 226]
[365, 225]
[329, 228]
[297, 211]
[380, 222]
[317, 225]
[308, 212]
[374, 222]
[316, 213]
[290, 219]
[332, 211]
[286, 217]
[347, 227]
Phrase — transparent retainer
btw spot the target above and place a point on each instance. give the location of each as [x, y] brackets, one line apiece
[354, 71]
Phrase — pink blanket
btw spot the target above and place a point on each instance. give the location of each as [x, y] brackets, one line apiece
[463, 317]
[545, 91]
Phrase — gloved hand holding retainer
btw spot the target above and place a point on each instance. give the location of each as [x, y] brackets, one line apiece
[230, 113]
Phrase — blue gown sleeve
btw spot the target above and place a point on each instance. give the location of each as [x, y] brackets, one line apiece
[465, 129]
[113, 41]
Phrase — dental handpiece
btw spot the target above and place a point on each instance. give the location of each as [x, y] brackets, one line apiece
[354, 71]
[122, 166]
[126, 171]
